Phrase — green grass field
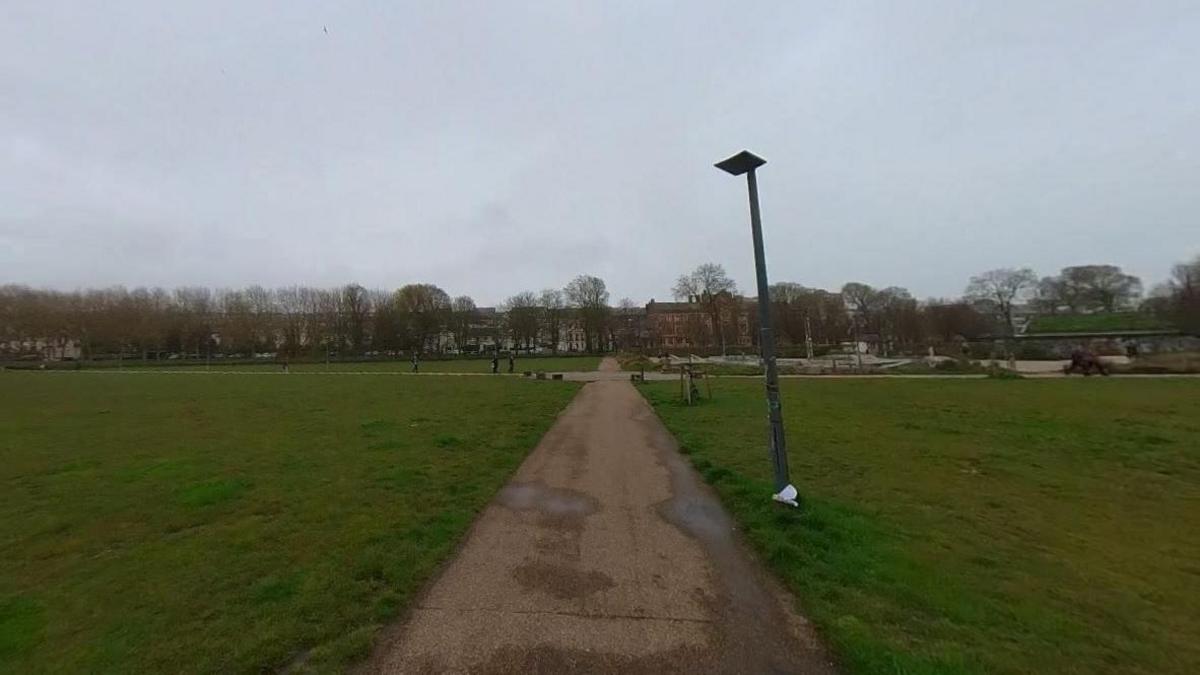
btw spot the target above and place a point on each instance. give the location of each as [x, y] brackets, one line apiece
[176, 523]
[534, 364]
[973, 526]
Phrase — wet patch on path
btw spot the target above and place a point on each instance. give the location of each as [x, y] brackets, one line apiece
[561, 581]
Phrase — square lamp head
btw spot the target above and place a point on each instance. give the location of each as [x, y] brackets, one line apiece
[741, 163]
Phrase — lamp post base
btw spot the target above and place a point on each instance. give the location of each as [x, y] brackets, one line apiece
[787, 496]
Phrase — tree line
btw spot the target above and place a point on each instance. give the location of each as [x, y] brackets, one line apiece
[856, 311]
[294, 321]
[1086, 289]
[301, 320]
[988, 307]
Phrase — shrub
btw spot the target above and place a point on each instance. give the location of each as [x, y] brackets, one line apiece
[998, 373]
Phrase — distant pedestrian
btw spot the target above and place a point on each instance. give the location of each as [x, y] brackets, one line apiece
[495, 363]
[511, 362]
[416, 363]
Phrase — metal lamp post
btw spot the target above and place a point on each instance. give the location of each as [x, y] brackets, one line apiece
[745, 162]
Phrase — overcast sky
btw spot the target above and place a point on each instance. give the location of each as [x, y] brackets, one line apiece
[493, 147]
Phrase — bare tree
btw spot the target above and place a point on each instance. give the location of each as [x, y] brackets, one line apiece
[799, 312]
[1101, 286]
[463, 315]
[1050, 295]
[707, 279]
[891, 314]
[356, 308]
[234, 322]
[900, 323]
[149, 323]
[523, 318]
[860, 297]
[289, 302]
[949, 320]
[378, 325]
[589, 296]
[863, 303]
[626, 327]
[424, 309]
[194, 309]
[999, 289]
[710, 285]
[1179, 298]
[553, 306]
[330, 320]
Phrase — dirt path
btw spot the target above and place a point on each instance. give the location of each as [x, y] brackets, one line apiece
[604, 554]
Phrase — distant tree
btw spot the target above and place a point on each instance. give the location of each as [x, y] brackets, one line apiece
[948, 320]
[589, 296]
[463, 315]
[787, 292]
[709, 285]
[625, 329]
[1103, 287]
[195, 320]
[707, 279]
[423, 310]
[860, 298]
[786, 313]
[265, 321]
[863, 303]
[235, 323]
[356, 308]
[289, 302]
[796, 309]
[1071, 290]
[1049, 295]
[553, 305]
[890, 313]
[388, 333]
[149, 322]
[523, 318]
[900, 323]
[998, 290]
[329, 320]
[1179, 299]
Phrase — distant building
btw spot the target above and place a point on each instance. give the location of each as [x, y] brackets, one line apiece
[489, 332]
[45, 349]
[689, 325]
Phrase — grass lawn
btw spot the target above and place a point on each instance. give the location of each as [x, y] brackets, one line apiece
[216, 524]
[535, 363]
[973, 526]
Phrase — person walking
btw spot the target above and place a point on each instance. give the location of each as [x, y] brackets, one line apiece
[511, 362]
[495, 362]
[416, 363]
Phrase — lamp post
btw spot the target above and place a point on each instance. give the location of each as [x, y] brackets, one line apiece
[745, 162]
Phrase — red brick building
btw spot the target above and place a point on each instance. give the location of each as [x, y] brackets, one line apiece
[690, 325]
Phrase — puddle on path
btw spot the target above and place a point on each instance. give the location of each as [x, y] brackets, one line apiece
[756, 634]
[547, 500]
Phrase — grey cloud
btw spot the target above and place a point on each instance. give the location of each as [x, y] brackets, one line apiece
[491, 148]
